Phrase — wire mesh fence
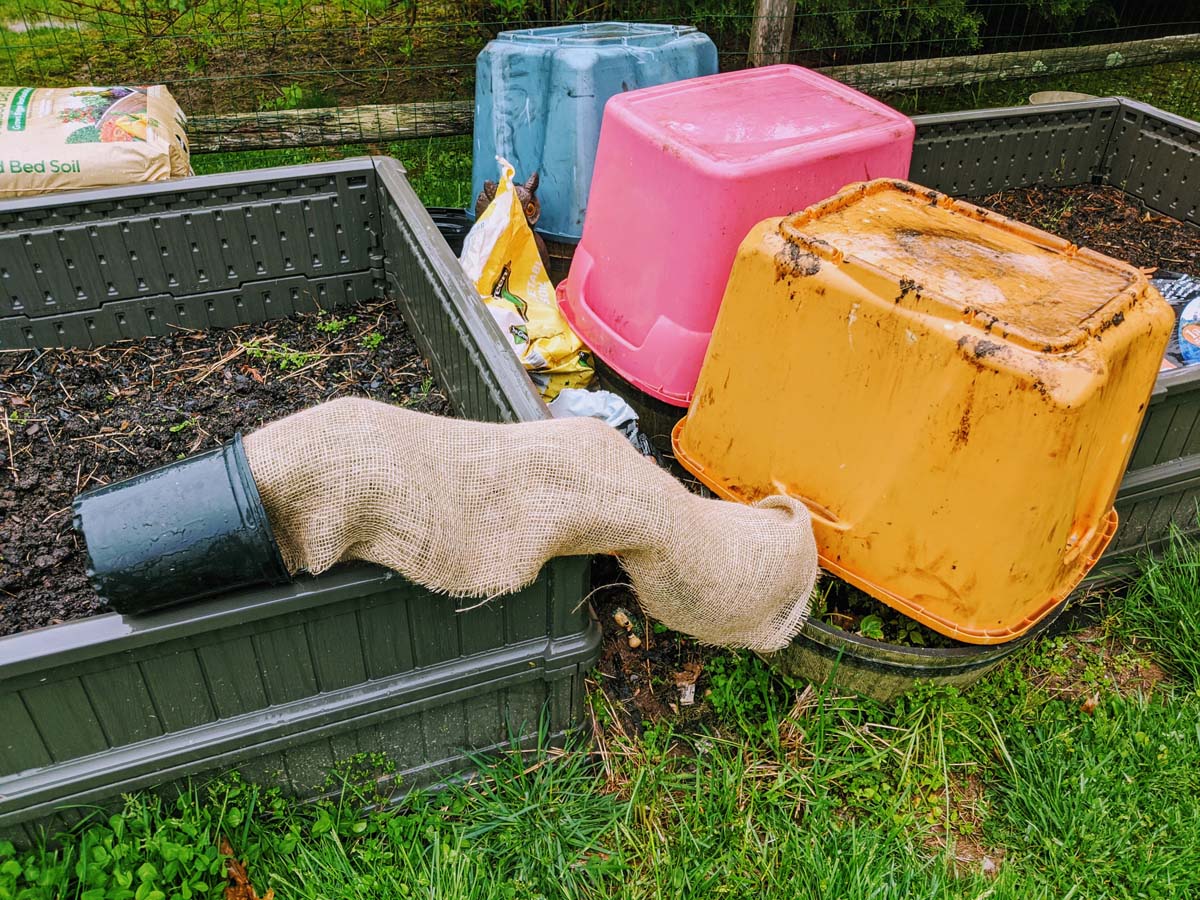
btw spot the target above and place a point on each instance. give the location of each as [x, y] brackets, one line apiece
[261, 73]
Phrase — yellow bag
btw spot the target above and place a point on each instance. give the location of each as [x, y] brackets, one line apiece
[500, 256]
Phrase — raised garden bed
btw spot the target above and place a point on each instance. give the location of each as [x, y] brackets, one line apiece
[280, 682]
[1153, 159]
[85, 417]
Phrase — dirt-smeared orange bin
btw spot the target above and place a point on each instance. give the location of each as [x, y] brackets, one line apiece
[955, 396]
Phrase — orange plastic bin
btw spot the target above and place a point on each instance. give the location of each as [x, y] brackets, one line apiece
[954, 395]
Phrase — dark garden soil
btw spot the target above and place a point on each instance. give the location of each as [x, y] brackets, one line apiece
[646, 671]
[75, 419]
[1108, 221]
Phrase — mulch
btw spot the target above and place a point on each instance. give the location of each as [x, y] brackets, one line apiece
[1106, 220]
[76, 419]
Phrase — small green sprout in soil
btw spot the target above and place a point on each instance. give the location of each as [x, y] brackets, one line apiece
[335, 325]
[373, 340]
[184, 425]
[871, 627]
[415, 395]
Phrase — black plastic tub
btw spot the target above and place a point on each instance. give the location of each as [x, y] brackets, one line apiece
[281, 682]
[823, 654]
[453, 224]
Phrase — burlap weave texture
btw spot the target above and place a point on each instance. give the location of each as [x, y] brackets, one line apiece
[475, 510]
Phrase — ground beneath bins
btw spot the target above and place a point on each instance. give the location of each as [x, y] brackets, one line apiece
[1108, 221]
[659, 674]
[75, 419]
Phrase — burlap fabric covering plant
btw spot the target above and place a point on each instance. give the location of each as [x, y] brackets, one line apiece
[475, 510]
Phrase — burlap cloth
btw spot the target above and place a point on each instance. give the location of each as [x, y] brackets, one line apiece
[475, 510]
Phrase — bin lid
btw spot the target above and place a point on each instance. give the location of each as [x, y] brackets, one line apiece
[1023, 284]
[598, 34]
[756, 113]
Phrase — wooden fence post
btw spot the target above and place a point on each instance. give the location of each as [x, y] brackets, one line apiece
[771, 39]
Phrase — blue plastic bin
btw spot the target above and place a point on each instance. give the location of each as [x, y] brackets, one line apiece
[540, 95]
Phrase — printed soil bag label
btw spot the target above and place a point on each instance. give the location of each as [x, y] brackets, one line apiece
[1189, 333]
[1183, 293]
[500, 256]
[82, 137]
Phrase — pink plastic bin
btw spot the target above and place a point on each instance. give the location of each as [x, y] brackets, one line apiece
[683, 172]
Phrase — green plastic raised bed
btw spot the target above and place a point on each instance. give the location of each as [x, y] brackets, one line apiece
[279, 682]
[1151, 155]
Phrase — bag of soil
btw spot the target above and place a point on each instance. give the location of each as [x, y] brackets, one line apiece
[475, 510]
[86, 137]
[500, 255]
[1183, 293]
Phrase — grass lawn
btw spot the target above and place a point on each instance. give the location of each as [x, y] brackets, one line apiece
[1174, 87]
[439, 169]
[1071, 772]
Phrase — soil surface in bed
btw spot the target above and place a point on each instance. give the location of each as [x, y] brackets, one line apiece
[1108, 221]
[75, 419]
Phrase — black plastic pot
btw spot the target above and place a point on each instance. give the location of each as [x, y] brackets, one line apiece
[823, 654]
[190, 529]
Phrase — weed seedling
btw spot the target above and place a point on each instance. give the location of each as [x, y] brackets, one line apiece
[871, 627]
[372, 340]
[335, 325]
[282, 356]
[420, 394]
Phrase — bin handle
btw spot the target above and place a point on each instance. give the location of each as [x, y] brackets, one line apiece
[817, 510]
